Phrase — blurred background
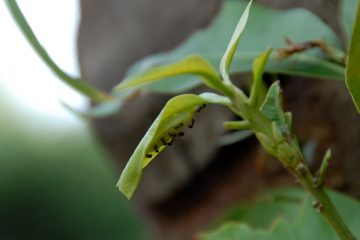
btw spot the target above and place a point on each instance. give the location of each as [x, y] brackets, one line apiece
[56, 181]
[58, 173]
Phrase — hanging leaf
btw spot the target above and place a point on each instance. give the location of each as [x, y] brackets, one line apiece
[352, 68]
[177, 115]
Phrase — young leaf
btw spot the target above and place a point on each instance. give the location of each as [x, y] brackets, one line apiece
[352, 68]
[258, 87]
[75, 83]
[272, 107]
[234, 41]
[190, 65]
[175, 116]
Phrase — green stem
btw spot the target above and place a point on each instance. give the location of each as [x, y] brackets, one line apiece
[77, 84]
[292, 158]
[237, 125]
[325, 206]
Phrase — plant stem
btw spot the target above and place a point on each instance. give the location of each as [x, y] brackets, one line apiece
[292, 158]
[324, 205]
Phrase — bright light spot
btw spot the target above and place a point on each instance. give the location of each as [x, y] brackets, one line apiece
[23, 74]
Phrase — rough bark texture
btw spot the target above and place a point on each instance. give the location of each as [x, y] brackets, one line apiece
[194, 181]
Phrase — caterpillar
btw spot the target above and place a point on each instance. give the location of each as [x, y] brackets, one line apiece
[156, 148]
[172, 134]
[170, 142]
[179, 126]
[175, 126]
[191, 124]
[199, 108]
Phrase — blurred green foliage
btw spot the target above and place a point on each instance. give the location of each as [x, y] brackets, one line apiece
[286, 213]
[57, 183]
[266, 27]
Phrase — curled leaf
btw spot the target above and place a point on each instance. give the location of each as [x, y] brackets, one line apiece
[177, 114]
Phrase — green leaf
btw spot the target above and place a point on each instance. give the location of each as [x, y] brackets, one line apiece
[189, 65]
[234, 41]
[261, 211]
[264, 27]
[348, 14]
[352, 68]
[258, 88]
[177, 114]
[234, 137]
[281, 229]
[285, 214]
[105, 109]
[76, 83]
[272, 107]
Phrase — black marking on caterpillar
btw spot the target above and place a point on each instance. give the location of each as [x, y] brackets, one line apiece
[191, 124]
[180, 134]
[178, 126]
[172, 134]
[156, 148]
[148, 155]
[199, 108]
[163, 141]
[170, 142]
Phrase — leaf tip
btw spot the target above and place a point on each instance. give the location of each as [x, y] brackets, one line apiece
[125, 190]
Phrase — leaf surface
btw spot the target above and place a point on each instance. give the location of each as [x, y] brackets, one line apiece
[348, 14]
[272, 107]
